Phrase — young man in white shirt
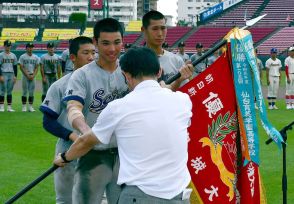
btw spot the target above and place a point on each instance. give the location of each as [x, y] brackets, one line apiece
[154, 29]
[152, 137]
[289, 70]
[273, 66]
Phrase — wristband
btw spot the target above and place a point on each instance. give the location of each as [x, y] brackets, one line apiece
[62, 155]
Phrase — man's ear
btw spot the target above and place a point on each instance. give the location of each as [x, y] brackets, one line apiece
[159, 73]
[95, 41]
[72, 57]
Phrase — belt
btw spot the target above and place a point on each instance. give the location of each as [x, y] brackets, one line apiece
[108, 151]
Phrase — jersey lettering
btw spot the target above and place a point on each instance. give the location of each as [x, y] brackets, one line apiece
[100, 100]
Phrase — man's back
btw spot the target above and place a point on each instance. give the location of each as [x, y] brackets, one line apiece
[151, 131]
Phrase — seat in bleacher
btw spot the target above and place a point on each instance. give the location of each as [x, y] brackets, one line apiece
[60, 34]
[280, 40]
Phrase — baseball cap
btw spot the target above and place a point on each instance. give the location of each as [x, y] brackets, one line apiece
[291, 49]
[165, 45]
[128, 45]
[274, 50]
[181, 44]
[199, 45]
[7, 43]
[30, 45]
[50, 44]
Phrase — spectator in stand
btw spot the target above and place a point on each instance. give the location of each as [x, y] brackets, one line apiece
[181, 51]
[273, 74]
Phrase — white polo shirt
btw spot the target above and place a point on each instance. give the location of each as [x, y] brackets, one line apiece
[150, 125]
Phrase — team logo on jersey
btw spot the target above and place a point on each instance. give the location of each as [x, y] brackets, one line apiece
[46, 102]
[69, 92]
[100, 99]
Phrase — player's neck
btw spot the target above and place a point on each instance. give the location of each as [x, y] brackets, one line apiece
[157, 49]
[107, 66]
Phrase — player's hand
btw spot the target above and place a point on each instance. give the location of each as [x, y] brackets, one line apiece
[188, 62]
[186, 71]
[14, 79]
[164, 85]
[59, 161]
[268, 82]
[44, 80]
[73, 136]
[1, 79]
[288, 81]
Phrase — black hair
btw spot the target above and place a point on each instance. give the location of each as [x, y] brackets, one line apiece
[139, 62]
[109, 25]
[75, 44]
[151, 15]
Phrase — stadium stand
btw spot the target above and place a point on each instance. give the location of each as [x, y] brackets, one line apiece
[279, 13]
[16, 34]
[280, 40]
[259, 33]
[176, 33]
[131, 37]
[134, 26]
[37, 46]
[207, 36]
[60, 34]
[237, 16]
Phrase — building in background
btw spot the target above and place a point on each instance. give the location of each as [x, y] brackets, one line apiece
[188, 10]
[122, 10]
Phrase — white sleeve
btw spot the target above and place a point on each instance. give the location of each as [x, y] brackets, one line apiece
[106, 124]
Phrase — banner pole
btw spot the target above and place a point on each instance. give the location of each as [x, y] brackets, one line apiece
[32, 184]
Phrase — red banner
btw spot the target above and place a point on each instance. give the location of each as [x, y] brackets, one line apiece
[96, 4]
[213, 132]
[249, 183]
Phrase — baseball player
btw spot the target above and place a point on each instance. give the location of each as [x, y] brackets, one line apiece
[28, 63]
[50, 65]
[66, 63]
[273, 66]
[181, 52]
[155, 30]
[201, 66]
[89, 91]
[126, 47]
[213, 58]
[55, 121]
[289, 70]
[8, 74]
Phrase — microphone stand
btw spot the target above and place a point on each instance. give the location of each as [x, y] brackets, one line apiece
[284, 176]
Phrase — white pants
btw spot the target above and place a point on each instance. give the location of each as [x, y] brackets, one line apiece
[290, 87]
[273, 87]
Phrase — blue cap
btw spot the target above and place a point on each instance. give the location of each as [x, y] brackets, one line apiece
[274, 50]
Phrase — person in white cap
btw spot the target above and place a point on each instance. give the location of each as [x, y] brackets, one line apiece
[289, 70]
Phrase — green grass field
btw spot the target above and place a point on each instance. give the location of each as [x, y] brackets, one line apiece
[26, 151]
